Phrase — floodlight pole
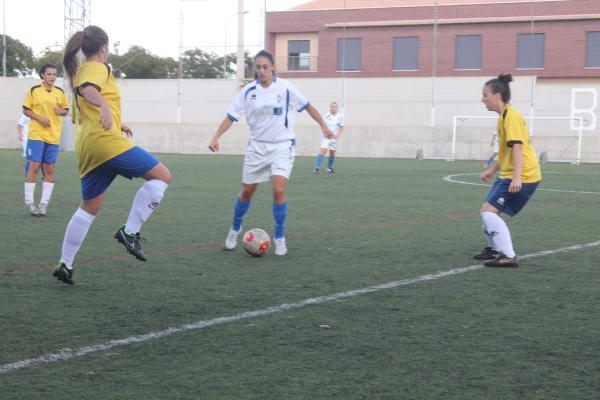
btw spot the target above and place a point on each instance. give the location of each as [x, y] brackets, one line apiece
[241, 60]
[4, 39]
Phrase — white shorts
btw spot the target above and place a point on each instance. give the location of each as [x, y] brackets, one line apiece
[328, 143]
[264, 159]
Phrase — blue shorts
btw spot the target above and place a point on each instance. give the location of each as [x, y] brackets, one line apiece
[133, 163]
[42, 152]
[507, 202]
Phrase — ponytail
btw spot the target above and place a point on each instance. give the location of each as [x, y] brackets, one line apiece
[70, 61]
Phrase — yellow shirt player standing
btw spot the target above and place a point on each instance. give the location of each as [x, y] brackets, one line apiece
[45, 104]
[520, 174]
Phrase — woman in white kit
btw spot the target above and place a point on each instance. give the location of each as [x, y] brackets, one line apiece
[268, 104]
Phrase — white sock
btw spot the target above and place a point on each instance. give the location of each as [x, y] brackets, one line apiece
[498, 230]
[146, 200]
[75, 234]
[47, 188]
[490, 238]
[29, 189]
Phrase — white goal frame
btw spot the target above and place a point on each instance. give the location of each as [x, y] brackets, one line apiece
[458, 118]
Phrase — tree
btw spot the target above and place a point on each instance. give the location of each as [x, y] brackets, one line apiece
[50, 57]
[139, 63]
[19, 58]
[201, 64]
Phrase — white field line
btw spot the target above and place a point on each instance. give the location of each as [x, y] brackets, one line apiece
[450, 178]
[66, 354]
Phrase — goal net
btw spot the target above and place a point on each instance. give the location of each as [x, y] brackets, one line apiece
[555, 139]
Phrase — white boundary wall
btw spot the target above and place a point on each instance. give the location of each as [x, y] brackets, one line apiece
[385, 117]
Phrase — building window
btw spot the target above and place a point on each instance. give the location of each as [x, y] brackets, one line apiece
[468, 52]
[530, 50]
[349, 54]
[593, 50]
[406, 53]
[298, 55]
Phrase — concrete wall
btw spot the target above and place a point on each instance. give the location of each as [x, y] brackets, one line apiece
[385, 117]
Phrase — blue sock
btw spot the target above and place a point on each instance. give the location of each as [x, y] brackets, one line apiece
[239, 210]
[319, 160]
[330, 162]
[279, 214]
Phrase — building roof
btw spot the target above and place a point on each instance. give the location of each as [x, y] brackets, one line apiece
[358, 4]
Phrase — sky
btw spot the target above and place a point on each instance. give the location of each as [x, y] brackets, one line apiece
[153, 24]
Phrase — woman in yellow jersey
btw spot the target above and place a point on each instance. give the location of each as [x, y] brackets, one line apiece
[45, 104]
[103, 150]
[519, 177]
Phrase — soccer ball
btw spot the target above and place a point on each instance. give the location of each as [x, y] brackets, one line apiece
[256, 242]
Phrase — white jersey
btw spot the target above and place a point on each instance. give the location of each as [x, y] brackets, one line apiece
[24, 123]
[269, 111]
[334, 122]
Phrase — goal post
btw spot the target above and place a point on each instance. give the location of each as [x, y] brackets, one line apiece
[550, 140]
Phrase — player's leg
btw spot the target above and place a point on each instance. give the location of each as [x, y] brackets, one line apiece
[331, 159]
[78, 227]
[241, 206]
[280, 210]
[135, 163]
[320, 157]
[48, 167]
[35, 150]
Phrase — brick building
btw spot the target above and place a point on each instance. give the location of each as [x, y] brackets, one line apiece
[417, 38]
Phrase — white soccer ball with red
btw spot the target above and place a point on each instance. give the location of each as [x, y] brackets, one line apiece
[256, 242]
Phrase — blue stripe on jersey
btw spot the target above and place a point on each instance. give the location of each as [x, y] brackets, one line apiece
[251, 88]
[231, 117]
[305, 107]
[287, 106]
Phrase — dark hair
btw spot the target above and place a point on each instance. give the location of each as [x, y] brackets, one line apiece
[44, 67]
[500, 85]
[266, 54]
[89, 41]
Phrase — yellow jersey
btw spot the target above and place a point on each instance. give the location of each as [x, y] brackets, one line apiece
[42, 102]
[94, 144]
[511, 130]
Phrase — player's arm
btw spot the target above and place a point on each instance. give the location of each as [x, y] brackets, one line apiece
[314, 114]
[223, 127]
[45, 122]
[339, 134]
[517, 157]
[58, 110]
[490, 172]
[20, 133]
[92, 95]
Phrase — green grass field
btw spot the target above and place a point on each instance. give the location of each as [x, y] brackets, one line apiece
[479, 333]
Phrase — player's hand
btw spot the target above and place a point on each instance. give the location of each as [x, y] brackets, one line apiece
[105, 117]
[59, 110]
[214, 146]
[515, 185]
[328, 134]
[486, 175]
[44, 121]
[126, 130]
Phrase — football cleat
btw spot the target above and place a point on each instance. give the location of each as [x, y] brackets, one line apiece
[231, 240]
[316, 171]
[486, 254]
[330, 170]
[63, 274]
[33, 210]
[131, 243]
[502, 261]
[280, 247]
[42, 209]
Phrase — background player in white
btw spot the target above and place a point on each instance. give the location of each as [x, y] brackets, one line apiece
[495, 148]
[268, 104]
[22, 130]
[335, 122]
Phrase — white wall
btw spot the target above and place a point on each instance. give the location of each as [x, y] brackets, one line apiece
[385, 117]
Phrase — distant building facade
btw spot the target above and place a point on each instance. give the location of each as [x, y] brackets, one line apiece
[417, 38]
